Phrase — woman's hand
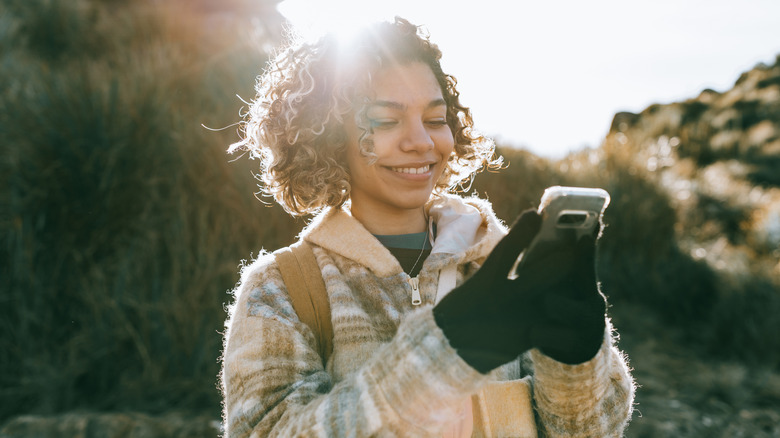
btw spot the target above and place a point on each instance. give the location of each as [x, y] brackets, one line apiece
[572, 328]
[554, 303]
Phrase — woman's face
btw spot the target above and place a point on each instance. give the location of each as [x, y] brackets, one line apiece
[412, 142]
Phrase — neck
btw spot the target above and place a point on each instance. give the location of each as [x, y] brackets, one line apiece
[392, 222]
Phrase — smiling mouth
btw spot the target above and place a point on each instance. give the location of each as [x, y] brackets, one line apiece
[412, 170]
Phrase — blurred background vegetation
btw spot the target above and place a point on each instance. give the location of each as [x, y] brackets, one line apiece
[123, 221]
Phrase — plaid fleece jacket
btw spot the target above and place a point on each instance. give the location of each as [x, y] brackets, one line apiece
[392, 372]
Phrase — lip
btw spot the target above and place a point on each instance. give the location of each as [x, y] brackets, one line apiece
[411, 171]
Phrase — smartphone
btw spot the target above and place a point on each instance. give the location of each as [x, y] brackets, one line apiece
[568, 213]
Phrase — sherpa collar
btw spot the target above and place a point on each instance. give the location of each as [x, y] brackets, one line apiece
[467, 229]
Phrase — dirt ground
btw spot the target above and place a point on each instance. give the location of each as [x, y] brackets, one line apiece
[682, 394]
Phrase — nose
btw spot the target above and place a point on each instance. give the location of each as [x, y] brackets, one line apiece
[417, 138]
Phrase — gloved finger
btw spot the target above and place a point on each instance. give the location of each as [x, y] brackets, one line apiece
[568, 272]
[486, 360]
[585, 249]
[585, 265]
[555, 339]
[511, 321]
[486, 339]
[597, 231]
[568, 312]
[549, 270]
[520, 235]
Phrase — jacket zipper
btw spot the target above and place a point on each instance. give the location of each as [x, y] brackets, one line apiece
[415, 283]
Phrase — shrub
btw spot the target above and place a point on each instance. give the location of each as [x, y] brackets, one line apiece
[123, 222]
[645, 257]
[518, 186]
[744, 323]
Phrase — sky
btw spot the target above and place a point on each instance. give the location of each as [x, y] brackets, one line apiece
[548, 76]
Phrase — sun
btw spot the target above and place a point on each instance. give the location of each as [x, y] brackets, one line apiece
[311, 19]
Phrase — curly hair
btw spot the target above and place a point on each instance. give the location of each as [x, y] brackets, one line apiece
[295, 125]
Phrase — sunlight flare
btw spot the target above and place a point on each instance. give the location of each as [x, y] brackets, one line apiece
[343, 18]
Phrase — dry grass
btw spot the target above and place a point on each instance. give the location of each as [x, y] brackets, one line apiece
[123, 221]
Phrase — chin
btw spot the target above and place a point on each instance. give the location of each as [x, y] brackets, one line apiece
[415, 201]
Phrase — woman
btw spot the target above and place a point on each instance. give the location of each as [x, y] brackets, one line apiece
[430, 336]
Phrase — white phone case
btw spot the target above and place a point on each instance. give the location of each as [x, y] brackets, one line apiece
[568, 213]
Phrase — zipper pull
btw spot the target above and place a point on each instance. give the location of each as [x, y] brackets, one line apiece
[416, 298]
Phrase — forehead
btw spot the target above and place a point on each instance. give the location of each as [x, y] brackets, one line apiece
[406, 84]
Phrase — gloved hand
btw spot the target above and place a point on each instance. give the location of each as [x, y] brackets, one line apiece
[572, 327]
[553, 304]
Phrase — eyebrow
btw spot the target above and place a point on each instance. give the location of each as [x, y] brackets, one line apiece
[399, 106]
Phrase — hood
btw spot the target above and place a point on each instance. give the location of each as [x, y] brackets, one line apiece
[467, 230]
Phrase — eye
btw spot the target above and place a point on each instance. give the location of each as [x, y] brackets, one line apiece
[382, 123]
[437, 122]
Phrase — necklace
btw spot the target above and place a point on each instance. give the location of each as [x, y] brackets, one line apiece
[422, 250]
[415, 281]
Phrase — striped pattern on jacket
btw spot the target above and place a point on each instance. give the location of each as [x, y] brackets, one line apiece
[392, 372]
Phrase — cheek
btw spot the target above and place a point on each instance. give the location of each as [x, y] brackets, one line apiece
[445, 143]
[445, 148]
[381, 143]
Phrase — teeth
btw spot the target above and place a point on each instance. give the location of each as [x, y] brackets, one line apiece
[412, 170]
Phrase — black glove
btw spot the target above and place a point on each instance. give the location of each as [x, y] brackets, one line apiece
[572, 329]
[553, 304]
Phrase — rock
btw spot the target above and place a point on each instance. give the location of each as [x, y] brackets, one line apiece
[623, 121]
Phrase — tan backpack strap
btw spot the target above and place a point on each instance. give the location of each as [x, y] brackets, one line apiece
[304, 282]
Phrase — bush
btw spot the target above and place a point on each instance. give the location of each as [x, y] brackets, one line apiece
[641, 260]
[123, 222]
[518, 186]
[644, 258]
[744, 323]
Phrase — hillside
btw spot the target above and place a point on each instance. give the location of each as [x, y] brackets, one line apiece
[716, 158]
[123, 224]
[690, 258]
